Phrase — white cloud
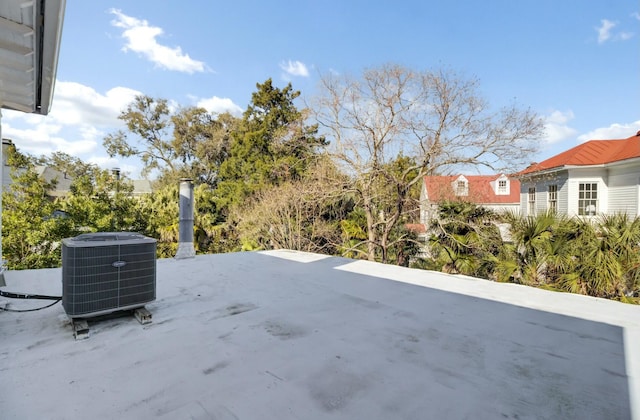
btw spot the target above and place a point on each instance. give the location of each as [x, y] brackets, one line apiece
[606, 33]
[614, 131]
[141, 38]
[625, 35]
[557, 128]
[635, 15]
[79, 119]
[45, 138]
[77, 104]
[219, 105]
[604, 30]
[295, 68]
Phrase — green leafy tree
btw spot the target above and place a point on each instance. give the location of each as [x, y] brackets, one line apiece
[202, 140]
[149, 123]
[182, 143]
[101, 202]
[32, 229]
[211, 233]
[72, 166]
[162, 208]
[163, 218]
[354, 234]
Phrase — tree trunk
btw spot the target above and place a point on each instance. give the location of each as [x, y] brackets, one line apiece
[371, 242]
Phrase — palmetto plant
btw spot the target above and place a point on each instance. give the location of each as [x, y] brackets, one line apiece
[540, 250]
[597, 257]
[465, 240]
[607, 260]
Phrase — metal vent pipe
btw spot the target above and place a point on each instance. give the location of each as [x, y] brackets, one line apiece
[185, 238]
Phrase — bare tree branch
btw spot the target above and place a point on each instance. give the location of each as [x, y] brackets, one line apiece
[392, 126]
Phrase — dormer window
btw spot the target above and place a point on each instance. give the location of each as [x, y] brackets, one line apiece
[462, 187]
[502, 186]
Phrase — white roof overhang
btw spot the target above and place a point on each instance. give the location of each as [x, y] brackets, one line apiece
[30, 32]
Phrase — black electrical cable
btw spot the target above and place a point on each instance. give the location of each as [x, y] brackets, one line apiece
[11, 295]
[30, 310]
[27, 296]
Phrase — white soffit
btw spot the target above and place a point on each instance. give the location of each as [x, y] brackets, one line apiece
[30, 32]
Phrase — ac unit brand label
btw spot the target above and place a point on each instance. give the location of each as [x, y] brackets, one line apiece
[119, 264]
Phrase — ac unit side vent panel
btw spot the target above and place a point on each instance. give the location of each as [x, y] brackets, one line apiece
[106, 272]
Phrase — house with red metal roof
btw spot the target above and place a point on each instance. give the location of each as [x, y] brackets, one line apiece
[596, 177]
[499, 193]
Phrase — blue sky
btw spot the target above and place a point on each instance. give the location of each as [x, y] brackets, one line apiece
[575, 63]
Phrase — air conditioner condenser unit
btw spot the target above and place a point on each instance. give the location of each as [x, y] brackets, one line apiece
[107, 272]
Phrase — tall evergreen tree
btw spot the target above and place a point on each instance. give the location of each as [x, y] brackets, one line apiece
[273, 145]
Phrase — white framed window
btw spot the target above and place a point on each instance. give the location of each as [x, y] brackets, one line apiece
[502, 186]
[552, 194]
[531, 201]
[461, 188]
[587, 198]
